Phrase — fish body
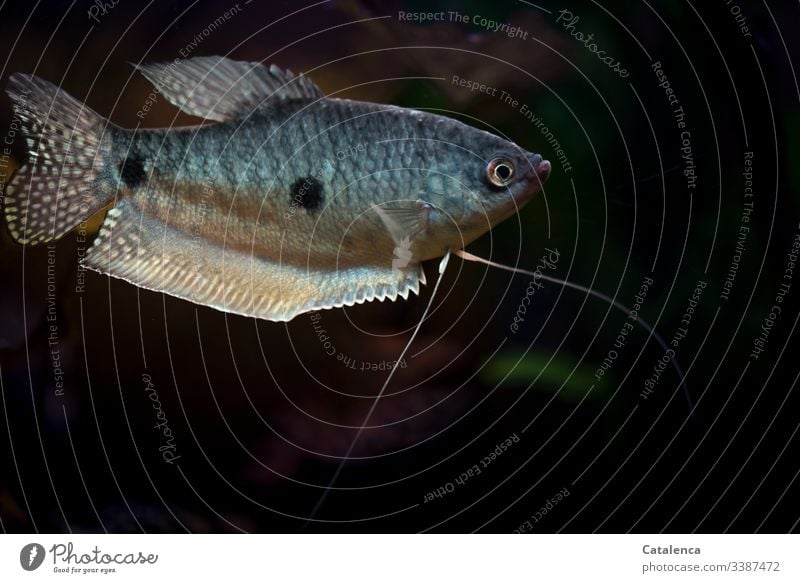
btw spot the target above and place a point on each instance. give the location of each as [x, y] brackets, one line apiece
[290, 202]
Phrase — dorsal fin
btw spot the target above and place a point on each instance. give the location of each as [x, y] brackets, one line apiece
[220, 89]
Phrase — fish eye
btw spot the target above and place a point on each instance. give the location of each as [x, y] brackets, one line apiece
[500, 171]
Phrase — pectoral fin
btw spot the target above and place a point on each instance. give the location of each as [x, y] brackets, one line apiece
[404, 220]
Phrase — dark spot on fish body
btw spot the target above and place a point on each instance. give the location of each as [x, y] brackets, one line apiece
[307, 193]
[131, 171]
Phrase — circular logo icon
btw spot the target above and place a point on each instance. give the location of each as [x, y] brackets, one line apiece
[31, 556]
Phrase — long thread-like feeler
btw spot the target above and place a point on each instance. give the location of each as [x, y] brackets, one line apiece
[465, 255]
[346, 457]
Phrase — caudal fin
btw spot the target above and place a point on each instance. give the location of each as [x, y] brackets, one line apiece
[65, 180]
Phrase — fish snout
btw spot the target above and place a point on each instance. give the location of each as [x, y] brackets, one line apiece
[543, 171]
[538, 170]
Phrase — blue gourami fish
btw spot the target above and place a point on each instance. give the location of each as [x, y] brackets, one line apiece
[289, 202]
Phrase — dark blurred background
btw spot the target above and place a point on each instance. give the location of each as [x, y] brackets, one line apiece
[260, 415]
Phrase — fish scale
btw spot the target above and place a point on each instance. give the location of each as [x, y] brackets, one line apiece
[283, 202]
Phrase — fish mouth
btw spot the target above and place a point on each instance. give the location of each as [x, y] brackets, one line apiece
[536, 177]
[543, 171]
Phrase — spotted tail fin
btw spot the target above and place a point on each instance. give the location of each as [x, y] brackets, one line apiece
[65, 180]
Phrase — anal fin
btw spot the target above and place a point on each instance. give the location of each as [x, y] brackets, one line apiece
[148, 253]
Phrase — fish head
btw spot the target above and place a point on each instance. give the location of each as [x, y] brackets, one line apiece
[484, 181]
